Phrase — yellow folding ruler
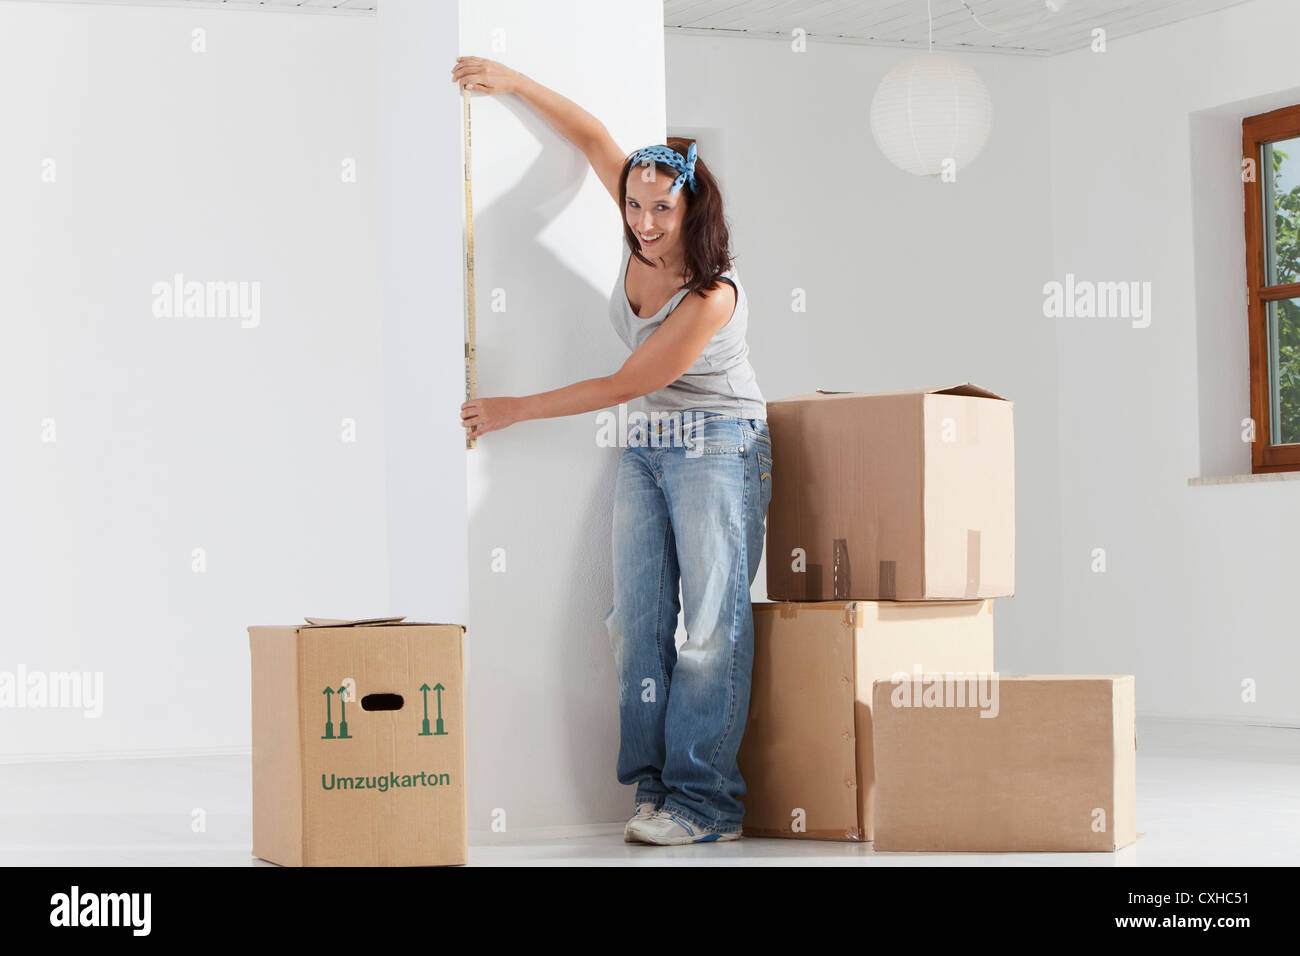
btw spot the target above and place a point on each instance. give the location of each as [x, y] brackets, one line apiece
[471, 368]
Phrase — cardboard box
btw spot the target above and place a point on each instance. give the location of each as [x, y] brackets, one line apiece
[806, 755]
[359, 743]
[1055, 769]
[905, 495]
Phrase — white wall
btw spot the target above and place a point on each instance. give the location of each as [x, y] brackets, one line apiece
[543, 719]
[1198, 594]
[909, 282]
[182, 433]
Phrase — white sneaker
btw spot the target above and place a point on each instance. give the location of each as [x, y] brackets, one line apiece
[667, 829]
[644, 811]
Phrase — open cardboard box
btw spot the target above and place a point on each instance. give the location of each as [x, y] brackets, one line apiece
[906, 495]
[359, 743]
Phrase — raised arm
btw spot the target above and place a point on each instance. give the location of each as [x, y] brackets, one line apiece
[568, 118]
[661, 359]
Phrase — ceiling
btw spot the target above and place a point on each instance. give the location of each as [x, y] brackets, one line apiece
[1009, 26]
[1023, 27]
[362, 8]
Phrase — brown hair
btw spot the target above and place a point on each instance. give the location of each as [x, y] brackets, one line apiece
[704, 229]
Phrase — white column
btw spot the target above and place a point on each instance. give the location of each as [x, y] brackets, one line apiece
[543, 720]
[422, 296]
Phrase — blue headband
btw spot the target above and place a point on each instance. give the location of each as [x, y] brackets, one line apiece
[670, 157]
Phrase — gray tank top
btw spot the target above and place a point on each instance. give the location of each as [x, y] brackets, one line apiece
[721, 380]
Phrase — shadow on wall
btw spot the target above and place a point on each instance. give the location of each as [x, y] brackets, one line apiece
[543, 696]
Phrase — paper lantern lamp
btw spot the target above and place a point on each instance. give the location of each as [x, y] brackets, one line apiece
[929, 109]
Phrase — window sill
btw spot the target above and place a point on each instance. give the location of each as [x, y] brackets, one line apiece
[1244, 479]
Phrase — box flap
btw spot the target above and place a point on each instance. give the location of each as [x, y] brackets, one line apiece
[359, 622]
[827, 395]
[969, 389]
[848, 391]
[966, 388]
[373, 622]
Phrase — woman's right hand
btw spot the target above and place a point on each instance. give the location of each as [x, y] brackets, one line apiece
[484, 76]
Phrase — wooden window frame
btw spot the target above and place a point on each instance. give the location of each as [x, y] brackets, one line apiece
[1255, 132]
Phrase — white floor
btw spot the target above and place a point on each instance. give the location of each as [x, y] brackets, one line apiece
[1208, 794]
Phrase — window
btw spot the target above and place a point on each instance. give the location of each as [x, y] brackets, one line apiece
[1271, 171]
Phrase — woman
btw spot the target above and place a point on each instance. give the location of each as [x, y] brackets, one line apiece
[693, 483]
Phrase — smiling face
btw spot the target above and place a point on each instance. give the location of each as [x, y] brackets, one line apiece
[654, 214]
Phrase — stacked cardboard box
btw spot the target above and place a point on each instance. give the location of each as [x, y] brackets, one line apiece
[890, 531]
[1054, 769]
[806, 755]
[359, 743]
[900, 496]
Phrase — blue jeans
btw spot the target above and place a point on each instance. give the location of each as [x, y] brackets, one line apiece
[691, 508]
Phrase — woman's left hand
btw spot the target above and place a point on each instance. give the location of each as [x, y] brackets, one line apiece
[482, 415]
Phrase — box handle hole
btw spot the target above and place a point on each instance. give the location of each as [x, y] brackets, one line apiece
[381, 702]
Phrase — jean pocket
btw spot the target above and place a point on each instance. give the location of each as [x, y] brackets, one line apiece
[714, 436]
[763, 445]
